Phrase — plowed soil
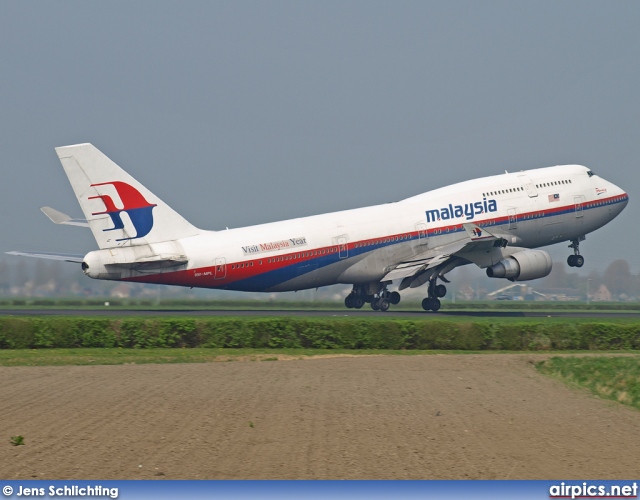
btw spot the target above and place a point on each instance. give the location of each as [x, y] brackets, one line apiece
[379, 417]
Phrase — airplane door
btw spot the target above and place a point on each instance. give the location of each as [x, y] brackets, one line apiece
[529, 186]
[513, 218]
[421, 228]
[343, 248]
[220, 267]
[579, 200]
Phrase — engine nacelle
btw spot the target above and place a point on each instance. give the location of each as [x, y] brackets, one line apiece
[522, 266]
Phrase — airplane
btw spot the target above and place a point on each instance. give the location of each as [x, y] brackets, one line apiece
[497, 223]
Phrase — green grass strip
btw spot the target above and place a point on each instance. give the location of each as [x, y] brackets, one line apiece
[615, 378]
[168, 355]
[120, 356]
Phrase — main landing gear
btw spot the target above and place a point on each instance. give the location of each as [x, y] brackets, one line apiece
[576, 260]
[436, 292]
[380, 301]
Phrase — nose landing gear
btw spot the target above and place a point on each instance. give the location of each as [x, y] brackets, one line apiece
[576, 260]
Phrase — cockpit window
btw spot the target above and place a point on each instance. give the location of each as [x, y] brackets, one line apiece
[590, 173]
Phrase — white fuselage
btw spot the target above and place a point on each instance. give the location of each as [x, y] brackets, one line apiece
[527, 209]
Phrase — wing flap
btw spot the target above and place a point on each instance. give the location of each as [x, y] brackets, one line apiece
[403, 270]
[478, 239]
[412, 268]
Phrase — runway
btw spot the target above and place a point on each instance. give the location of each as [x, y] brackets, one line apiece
[340, 313]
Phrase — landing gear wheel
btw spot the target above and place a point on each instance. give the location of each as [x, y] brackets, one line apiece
[431, 304]
[384, 304]
[375, 304]
[349, 301]
[440, 291]
[575, 261]
[358, 302]
[394, 298]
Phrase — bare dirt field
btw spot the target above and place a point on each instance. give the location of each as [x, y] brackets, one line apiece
[379, 417]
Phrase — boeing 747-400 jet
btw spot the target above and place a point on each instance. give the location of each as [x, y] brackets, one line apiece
[497, 223]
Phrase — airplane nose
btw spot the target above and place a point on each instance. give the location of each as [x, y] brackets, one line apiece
[621, 198]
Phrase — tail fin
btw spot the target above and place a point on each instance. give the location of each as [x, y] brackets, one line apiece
[120, 210]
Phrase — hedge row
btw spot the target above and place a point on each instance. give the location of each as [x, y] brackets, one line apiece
[516, 305]
[62, 332]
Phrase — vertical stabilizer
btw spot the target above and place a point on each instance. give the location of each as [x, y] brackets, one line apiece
[120, 210]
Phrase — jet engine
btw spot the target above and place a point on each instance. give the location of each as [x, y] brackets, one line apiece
[522, 266]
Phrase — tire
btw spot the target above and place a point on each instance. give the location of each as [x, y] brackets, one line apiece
[358, 302]
[348, 301]
[571, 260]
[375, 304]
[578, 261]
[384, 304]
[394, 298]
[431, 304]
[441, 291]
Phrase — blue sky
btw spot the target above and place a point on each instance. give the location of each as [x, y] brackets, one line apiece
[242, 112]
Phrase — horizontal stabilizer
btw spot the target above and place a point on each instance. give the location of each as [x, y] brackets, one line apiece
[58, 217]
[67, 257]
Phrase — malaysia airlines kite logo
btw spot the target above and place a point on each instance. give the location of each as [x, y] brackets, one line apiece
[134, 205]
[477, 232]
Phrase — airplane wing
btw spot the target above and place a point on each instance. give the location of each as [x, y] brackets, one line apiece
[444, 259]
[67, 257]
[410, 268]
